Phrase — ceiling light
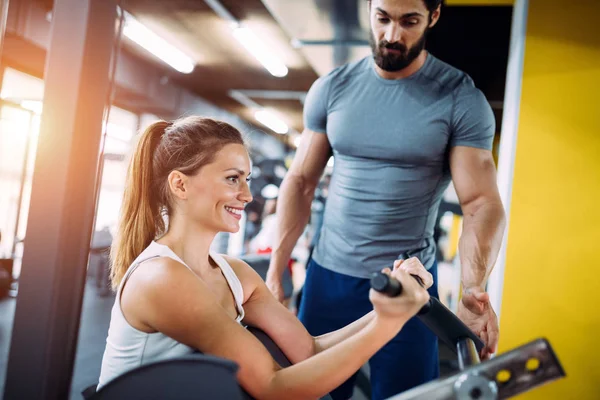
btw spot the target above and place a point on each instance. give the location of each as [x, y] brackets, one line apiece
[271, 121]
[258, 49]
[157, 45]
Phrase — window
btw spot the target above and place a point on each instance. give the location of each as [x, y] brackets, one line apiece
[118, 142]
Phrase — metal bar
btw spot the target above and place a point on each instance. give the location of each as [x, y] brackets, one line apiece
[274, 94]
[48, 308]
[243, 99]
[502, 377]
[22, 184]
[3, 19]
[508, 141]
[221, 11]
[116, 52]
[435, 315]
[333, 42]
[446, 325]
[467, 353]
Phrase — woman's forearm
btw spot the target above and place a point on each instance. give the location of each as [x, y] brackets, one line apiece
[330, 339]
[318, 375]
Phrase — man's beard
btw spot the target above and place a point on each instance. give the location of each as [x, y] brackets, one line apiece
[396, 62]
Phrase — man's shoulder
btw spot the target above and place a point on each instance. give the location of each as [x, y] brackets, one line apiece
[447, 75]
[347, 71]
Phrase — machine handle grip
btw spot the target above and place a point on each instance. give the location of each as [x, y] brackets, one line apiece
[386, 285]
[392, 287]
[389, 286]
[443, 322]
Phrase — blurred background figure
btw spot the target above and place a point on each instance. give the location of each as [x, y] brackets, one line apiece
[252, 225]
[263, 241]
[99, 259]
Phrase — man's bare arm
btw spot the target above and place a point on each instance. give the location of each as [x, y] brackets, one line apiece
[474, 177]
[295, 198]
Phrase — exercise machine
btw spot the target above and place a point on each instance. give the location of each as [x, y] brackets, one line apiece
[504, 376]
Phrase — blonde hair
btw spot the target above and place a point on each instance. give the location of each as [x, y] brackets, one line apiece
[184, 145]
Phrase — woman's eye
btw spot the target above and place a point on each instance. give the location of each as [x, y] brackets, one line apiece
[248, 179]
[233, 179]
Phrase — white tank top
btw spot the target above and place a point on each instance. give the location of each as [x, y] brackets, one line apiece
[128, 348]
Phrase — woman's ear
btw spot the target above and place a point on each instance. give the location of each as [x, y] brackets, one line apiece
[178, 184]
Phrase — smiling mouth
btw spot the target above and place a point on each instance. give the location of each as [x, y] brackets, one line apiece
[236, 212]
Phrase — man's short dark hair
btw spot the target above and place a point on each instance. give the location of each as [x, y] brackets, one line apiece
[431, 5]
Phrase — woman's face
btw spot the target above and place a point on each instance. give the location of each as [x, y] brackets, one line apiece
[217, 194]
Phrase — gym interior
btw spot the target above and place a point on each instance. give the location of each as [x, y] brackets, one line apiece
[79, 79]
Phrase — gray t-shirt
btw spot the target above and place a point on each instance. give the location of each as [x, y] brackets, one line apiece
[390, 142]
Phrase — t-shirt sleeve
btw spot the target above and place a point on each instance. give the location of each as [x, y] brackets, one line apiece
[473, 122]
[315, 105]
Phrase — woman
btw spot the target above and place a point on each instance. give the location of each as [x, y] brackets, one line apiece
[187, 181]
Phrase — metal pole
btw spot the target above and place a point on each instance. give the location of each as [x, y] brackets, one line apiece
[467, 353]
[22, 185]
[3, 19]
[51, 285]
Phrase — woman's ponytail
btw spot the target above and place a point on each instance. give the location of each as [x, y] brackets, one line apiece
[140, 219]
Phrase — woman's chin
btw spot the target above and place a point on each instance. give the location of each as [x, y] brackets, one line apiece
[232, 228]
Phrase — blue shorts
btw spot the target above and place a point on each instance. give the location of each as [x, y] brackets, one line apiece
[331, 301]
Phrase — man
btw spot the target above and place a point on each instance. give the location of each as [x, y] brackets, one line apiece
[401, 125]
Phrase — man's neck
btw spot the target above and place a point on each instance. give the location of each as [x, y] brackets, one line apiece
[412, 68]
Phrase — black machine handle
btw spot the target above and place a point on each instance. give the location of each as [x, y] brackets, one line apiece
[443, 322]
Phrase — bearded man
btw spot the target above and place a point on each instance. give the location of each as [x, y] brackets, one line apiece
[400, 124]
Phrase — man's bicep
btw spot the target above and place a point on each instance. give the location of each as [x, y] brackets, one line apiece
[311, 157]
[474, 175]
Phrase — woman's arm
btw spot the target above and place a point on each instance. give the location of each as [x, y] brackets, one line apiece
[174, 301]
[265, 312]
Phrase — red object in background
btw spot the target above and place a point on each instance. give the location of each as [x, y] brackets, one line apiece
[269, 250]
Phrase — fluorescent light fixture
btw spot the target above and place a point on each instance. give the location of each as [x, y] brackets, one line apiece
[271, 121]
[33, 105]
[156, 45]
[257, 48]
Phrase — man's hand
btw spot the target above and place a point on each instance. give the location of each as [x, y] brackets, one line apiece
[275, 286]
[476, 311]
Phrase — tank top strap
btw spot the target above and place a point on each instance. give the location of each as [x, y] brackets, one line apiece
[233, 281]
[154, 250]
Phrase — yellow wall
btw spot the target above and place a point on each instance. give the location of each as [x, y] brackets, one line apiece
[480, 2]
[552, 280]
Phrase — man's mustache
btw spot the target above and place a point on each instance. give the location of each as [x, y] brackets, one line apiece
[392, 46]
